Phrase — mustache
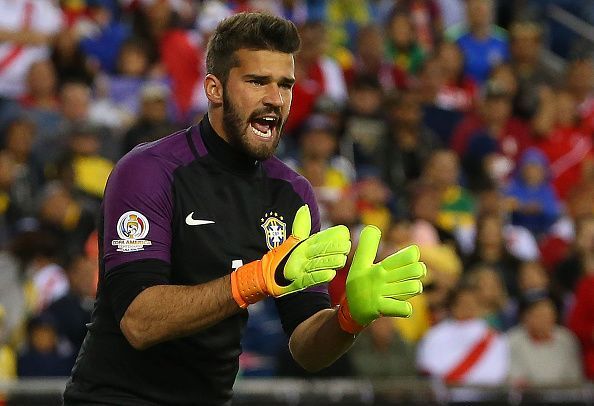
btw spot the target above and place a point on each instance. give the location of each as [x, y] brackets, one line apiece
[267, 110]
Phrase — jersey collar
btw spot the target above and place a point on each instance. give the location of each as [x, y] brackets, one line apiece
[229, 156]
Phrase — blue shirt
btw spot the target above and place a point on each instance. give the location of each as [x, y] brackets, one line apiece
[481, 55]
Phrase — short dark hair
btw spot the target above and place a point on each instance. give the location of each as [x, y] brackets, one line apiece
[254, 31]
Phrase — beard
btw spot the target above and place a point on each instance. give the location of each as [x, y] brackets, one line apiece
[237, 131]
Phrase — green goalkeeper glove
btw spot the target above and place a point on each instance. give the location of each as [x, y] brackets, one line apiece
[299, 262]
[375, 290]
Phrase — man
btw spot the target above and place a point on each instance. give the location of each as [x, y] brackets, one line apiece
[171, 302]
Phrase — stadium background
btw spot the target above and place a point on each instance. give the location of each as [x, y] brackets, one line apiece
[464, 126]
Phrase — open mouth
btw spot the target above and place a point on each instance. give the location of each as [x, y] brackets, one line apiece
[264, 126]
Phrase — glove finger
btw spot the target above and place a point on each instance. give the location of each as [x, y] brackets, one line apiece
[367, 249]
[401, 290]
[302, 223]
[394, 308]
[328, 247]
[339, 232]
[321, 276]
[334, 261]
[403, 257]
[416, 270]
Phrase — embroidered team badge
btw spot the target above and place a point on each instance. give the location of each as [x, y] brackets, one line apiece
[275, 229]
[132, 227]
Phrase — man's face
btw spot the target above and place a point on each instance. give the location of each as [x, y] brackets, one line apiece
[257, 99]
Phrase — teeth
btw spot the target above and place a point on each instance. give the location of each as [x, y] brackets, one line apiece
[267, 134]
[269, 118]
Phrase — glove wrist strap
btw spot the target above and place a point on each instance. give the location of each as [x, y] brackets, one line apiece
[248, 285]
[345, 320]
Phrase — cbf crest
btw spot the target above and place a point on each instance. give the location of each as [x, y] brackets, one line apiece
[275, 229]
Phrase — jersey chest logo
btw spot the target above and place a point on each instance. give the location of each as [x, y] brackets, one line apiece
[274, 228]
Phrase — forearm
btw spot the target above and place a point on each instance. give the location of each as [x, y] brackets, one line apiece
[319, 341]
[164, 312]
[32, 38]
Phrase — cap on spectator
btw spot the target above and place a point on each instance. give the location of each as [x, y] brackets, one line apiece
[154, 92]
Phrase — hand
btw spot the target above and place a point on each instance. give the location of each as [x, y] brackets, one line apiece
[375, 290]
[299, 262]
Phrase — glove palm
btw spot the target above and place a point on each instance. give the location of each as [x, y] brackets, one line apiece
[381, 289]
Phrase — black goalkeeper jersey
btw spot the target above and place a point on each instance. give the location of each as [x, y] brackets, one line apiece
[184, 210]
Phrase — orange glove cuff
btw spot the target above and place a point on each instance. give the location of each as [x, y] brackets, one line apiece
[345, 320]
[252, 282]
[248, 285]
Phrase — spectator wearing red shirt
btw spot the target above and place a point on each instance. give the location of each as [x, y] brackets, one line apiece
[491, 142]
[581, 317]
[563, 140]
[316, 74]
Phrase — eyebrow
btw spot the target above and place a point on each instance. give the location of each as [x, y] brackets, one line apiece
[267, 78]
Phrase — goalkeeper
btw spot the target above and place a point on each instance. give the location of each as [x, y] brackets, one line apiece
[197, 226]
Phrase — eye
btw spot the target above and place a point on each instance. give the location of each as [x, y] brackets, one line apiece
[287, 86]
[256, 82]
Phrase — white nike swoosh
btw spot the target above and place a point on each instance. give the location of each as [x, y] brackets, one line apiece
[193, 222]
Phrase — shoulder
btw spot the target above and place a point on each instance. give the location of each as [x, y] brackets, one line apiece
[277, 169]
[156, 159]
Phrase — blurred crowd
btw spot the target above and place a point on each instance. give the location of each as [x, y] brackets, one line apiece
[450, 124]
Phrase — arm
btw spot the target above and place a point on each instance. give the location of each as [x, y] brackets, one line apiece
[164, 312]
[26, 37]
[373, 291]
[319, 341]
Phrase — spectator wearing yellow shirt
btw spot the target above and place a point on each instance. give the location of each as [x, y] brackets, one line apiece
[457, 204]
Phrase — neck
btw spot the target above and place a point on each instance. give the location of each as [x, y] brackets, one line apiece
[481, 31]
[215, 118]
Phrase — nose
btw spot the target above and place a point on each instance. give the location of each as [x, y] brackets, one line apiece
[273, 96]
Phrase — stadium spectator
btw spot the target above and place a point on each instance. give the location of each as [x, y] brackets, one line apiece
[531, 199]
[463, 349]
[364, 123]
[458, 92]
[102, 41]
[563, 139]
[530, 66]
[402, 47]
[369, 59]
[405, 148]
[580, 260]
[581, 317]
[483, 44]
[329, 173]
[45, 280]
[174, 51]
[491, 295]
[542, 353]
[27, 30]
[489, 140]
[69, 60]
[316, 74]
[153, 119]
[491, 250]
[457, 206]
[380, 352]
[72, 311]
[44, 354]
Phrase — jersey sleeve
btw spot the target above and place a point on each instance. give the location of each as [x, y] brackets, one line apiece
[138, 212]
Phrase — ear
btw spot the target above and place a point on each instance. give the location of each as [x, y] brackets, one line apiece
[213, 89]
